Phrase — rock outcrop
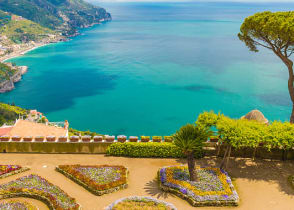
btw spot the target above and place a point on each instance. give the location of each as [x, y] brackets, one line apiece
[8, 85]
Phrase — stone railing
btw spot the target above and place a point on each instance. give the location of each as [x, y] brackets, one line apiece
[86, 139]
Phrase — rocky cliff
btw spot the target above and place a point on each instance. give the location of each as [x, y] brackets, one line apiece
[8, 84]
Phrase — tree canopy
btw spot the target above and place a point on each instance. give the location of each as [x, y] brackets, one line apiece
[272, 30]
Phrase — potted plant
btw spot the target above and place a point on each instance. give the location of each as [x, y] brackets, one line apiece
[51, 138]
[121, 138]
[4, 138]
[133, 138]
[86, 138]
[145, 138]
[62, 139]
[109, 138]
[15, 138]
[74, 139]
[39, 138]
[156, 138]
[213, 138]
[168, 139]
[98, 138]
[28, 138]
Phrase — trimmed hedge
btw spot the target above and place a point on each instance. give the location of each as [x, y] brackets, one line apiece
[148, 150]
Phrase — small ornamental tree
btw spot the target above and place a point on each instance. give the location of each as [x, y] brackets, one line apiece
[273, 31]
[188, 139]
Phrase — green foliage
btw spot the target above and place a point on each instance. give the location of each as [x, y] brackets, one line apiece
[249, 133]
[8, 113]
[74, 132]
[24, 31]
[190, 137]
[273, 30]
[5, 72]
[63, 15]
[208, 119]
[148, 150]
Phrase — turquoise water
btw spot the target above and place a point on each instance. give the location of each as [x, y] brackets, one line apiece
[154, 68]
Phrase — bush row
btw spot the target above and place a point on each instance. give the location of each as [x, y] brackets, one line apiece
[148, 150]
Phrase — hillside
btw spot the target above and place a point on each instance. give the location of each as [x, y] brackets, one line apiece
[9, 113]
[20, 30]
[65, 16]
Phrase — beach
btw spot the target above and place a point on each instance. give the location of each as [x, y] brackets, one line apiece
[22, 51]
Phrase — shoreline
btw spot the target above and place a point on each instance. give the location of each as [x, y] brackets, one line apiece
[24, 51]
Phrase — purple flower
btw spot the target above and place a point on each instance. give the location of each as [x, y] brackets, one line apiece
[184, 191]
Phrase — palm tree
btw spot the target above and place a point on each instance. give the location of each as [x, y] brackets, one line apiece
[189, 138]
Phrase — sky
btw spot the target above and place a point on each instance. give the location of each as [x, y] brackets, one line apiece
[255, 1]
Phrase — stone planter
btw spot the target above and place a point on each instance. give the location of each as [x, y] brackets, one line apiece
[4, 138]
[156, 139]
[86, 138]
[121, 138]
[109, 138]
[28, 138]
[74, 139]
[145, 138]
[51, 138]
[39, 138]
[98, 138]
[62, 139]
[133, 138]
[15, 138]
[168, 139]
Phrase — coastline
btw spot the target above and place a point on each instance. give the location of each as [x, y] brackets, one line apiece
[23, 51]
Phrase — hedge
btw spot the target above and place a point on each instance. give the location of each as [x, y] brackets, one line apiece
[148, 150]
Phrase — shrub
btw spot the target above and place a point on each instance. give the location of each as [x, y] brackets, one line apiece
[150, 149]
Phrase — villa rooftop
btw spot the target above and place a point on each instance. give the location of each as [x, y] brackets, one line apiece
[27, 128]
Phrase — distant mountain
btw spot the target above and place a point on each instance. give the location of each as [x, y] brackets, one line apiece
[65, 16]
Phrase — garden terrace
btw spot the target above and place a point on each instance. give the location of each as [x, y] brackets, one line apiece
[261, 184]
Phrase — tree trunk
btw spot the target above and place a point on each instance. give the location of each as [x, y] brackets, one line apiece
[254, 153]
[228, 157]
[289, 65]
[191, 167]
[224, 158]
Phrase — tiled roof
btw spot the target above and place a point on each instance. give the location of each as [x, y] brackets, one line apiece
[5, 130]
[26, 128]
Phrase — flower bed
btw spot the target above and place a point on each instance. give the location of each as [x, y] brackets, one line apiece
[140, 203]
[214, 187]
[34, 186]
[9, 170]
[97, 179]
[16, 205]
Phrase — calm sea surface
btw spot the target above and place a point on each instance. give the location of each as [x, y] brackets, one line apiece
[155, 67]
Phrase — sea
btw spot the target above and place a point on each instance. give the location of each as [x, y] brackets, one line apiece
[154, 68]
